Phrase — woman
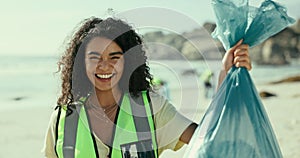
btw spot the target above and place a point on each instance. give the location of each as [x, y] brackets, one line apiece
[107, 108]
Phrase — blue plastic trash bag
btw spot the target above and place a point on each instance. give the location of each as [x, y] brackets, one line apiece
[237, 20]
[236, 124]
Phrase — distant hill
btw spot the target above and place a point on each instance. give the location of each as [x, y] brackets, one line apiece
[279, 49]
[195, 45]
[198, 45]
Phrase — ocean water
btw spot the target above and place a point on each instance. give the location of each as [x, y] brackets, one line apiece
[27, 81]
[31, 81]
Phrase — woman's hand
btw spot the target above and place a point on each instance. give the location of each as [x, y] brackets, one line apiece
[238, 55]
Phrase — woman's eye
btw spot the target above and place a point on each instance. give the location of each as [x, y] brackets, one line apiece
[115, 57]
[94, 58]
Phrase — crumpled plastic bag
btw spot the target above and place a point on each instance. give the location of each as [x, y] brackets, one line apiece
[237, 20]
[236, 124]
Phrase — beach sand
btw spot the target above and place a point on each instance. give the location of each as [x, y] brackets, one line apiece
[23, 130]
[283, 112]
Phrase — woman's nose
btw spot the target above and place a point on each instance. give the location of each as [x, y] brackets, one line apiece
[103, 65]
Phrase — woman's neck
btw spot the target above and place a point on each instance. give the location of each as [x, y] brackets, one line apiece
[106, 98]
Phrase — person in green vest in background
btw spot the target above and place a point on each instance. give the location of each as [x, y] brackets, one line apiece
[107, 108]
[161, 87]
[207, 78]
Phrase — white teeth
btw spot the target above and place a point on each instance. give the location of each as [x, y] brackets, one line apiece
[104, 76]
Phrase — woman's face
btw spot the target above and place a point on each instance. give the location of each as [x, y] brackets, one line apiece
[104, 63]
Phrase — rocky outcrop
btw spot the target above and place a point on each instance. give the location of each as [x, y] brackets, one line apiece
[162, 51]
[265, 94]
[287, 80]
[279, 49]
[201, 45]
[198, 44]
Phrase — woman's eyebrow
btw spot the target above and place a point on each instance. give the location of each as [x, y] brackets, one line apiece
[115, 53]
[94, 53]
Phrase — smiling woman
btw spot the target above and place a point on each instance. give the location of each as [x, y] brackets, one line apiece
[104, 64]
[107, 107]
[106, 85]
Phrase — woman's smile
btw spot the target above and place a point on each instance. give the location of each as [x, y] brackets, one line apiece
[105, 76]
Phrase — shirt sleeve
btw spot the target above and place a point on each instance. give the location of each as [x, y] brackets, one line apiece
[170, 124]
[49, 143]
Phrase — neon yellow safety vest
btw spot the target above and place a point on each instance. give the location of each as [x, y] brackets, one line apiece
[134, 133]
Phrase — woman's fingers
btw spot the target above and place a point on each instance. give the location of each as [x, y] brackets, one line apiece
[247, 65]
[241, 50]
[238, 55]
[241, 57]
[232, 49]
[242, 61]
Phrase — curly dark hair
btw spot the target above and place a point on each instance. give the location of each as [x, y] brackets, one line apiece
[75, 83]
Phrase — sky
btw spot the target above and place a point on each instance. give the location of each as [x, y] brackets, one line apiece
[35, 27]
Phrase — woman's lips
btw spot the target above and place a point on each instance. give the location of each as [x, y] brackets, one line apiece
[104, 76]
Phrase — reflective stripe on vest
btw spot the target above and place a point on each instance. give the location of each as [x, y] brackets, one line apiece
[83, 138]
[133, 125]
[131, 133]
